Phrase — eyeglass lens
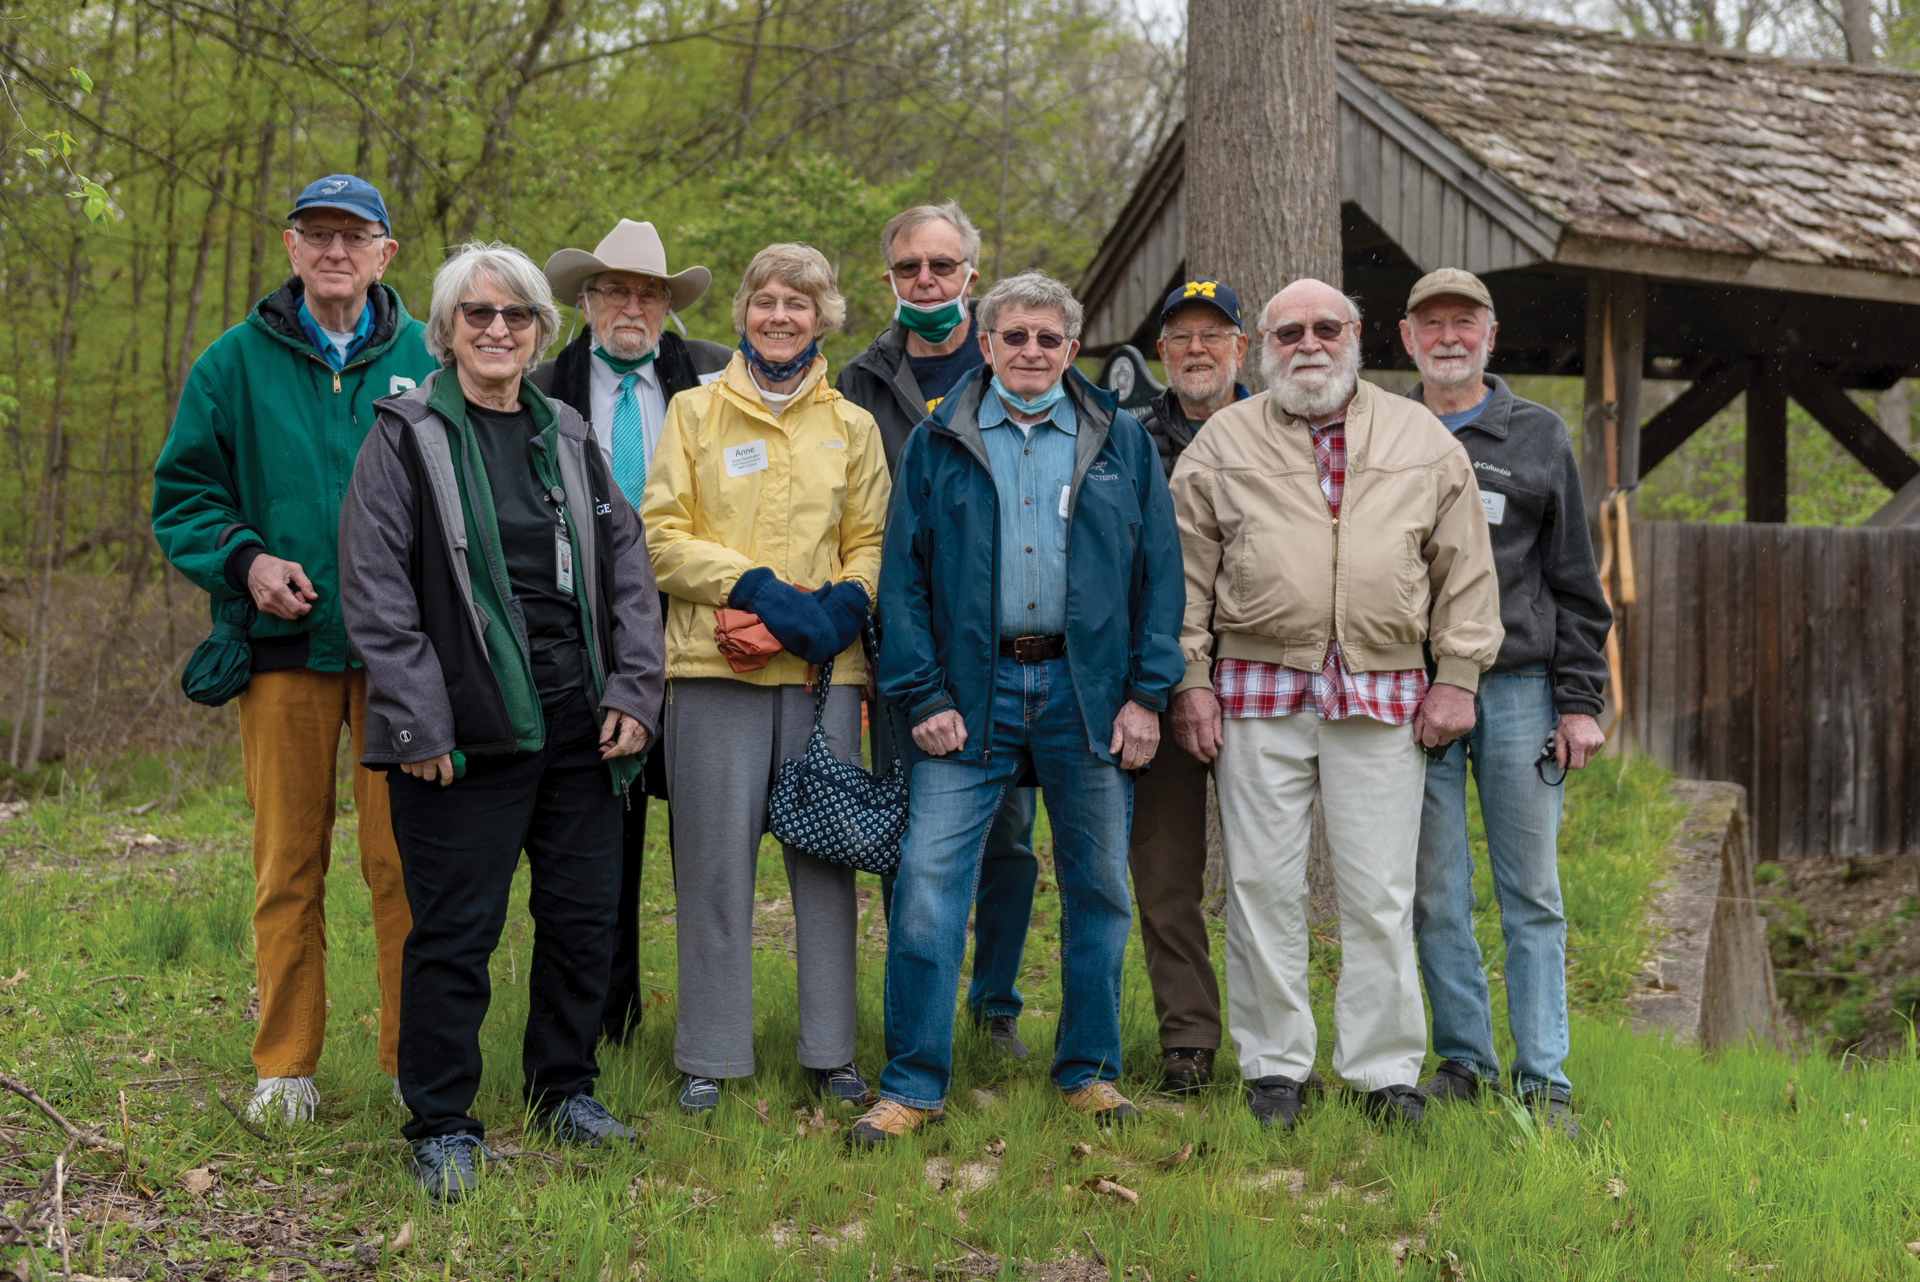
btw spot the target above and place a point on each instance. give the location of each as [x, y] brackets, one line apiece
[321, 237]
[618, 296]
[1205, 337]
[907, 268]
[480, 316]
[1048, 340]
[1324, 330]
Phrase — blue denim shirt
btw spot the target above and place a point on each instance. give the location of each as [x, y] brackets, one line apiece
[1032, 474]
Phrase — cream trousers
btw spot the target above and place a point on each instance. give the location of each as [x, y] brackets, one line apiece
[1371, 779]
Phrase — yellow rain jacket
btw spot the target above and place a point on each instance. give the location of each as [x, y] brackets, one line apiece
[732, 487]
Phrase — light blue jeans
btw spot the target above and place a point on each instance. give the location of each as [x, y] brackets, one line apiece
[1513, 718]
[1036, 719]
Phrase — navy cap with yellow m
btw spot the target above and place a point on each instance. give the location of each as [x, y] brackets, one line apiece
[1212, 292]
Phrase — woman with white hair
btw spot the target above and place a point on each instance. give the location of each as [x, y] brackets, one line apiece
[764, 481]
[496, 586]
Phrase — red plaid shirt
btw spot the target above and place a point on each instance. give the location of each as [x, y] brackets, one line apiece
[1248, 688]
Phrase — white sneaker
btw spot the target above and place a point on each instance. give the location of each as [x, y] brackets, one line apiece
[286, 1099]
[398, 1098]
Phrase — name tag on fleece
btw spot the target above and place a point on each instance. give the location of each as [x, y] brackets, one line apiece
[1495, 504]
[742, 460]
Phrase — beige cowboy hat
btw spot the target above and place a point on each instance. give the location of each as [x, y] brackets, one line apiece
[629, 247]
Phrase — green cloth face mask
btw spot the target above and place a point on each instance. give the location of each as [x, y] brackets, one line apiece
[934, 322]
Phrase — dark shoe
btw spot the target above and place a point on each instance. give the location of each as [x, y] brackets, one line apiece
[888, 1121]
[843, 1085]
[699, 1095]
[582, 1119]
[444, 1165]
[1004, 1032]
[1108, 1106]
[1553, 1113]
[1396, 1104]
[1452, 1082]
[1185, 1070]
[1275, 1100]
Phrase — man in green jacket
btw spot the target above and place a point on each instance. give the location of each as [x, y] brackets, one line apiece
[246, 504]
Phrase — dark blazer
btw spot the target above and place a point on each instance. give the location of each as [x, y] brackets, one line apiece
[1125, 582]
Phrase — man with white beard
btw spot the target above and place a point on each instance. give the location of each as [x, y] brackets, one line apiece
[1328, 530]
[1540, 698]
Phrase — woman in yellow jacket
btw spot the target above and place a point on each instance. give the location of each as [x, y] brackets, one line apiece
[768, 494]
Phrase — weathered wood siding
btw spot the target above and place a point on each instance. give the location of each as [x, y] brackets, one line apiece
[1785, 659]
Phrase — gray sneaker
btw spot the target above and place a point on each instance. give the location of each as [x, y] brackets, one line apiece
[1004, 1032]
[444, 1165]
[582, 1119]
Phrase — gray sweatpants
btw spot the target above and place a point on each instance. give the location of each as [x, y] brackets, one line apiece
[724, 739]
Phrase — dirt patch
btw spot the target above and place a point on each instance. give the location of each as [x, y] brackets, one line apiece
[1845, 941]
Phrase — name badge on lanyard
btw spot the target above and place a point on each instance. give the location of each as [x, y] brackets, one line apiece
[563, 559]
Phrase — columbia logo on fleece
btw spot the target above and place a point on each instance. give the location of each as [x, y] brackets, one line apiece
[1491, 468]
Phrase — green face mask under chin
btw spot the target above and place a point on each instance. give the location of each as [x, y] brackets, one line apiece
[934, 323]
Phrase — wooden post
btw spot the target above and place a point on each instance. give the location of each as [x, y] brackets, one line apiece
[1767, 445]
[1262, 199]
[1610, 428]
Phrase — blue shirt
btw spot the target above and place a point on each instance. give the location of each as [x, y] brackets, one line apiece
[1460, 418]
[333, 356]
[1032, 478]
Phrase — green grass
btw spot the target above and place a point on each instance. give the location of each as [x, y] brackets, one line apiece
[136, 977]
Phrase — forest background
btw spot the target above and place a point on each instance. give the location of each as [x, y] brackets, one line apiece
[152, 148]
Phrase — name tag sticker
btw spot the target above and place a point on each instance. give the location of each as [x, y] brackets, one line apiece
[743, 460]
[563, 560]
[833, 443]
[1066, 493]
[1496, 506]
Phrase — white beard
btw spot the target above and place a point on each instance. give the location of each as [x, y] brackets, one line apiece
[1457, 374]
[1315, 389]
[628, 344]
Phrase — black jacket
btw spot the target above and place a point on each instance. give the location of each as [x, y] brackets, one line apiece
[567, 378]
[880, 381]
[1167, 424]
[1550, 600]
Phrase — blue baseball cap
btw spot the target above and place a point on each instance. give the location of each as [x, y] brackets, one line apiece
[1211, 292]
[347, 193]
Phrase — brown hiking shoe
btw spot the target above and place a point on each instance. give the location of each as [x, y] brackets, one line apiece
[1108, 1106]
[889, 1120]
[1186, 1070]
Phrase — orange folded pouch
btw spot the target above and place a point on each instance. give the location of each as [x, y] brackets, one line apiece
[744, 641]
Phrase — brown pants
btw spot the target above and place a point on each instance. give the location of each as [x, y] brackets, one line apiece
[1168, 856]
[289, 734]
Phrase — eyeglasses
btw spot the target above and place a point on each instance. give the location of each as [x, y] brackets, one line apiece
[1048, 340]
[908, 268]
[1178, 338]
[1324, 330]
[618, 296]
[519, 316]
[321, 237]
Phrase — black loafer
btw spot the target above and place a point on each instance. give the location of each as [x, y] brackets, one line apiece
[1275, 1100]
[1553, 1113]
[1452, 1082]
[1396, 1104]
[1185, 1070]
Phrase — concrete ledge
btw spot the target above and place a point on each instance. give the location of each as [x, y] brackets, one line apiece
[1710, 978]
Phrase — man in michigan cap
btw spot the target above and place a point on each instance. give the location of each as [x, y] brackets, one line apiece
[619, 374]
[246, 504]
[1534, 714]
[1201, 345]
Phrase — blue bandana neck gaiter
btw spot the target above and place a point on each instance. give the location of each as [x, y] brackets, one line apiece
[782, 371]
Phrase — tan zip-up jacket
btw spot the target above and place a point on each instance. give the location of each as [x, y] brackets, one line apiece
[1273, 576]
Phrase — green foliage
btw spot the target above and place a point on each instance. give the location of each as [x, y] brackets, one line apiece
[1767, 873]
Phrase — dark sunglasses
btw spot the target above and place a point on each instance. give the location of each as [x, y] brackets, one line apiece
[519, 316]
[1324, 330]
[908, 268]
[1048, 340]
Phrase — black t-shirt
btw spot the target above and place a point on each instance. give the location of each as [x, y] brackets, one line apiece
[529, 536]
[936, 375]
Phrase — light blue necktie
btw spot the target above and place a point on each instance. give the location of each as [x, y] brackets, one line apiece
[629, 441]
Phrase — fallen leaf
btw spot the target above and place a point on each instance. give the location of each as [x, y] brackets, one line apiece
[1616, 1188]
[1080, 1150]
[17, 976]
[1177, 1157]
[1913, 1248]
[198, 1180]
[402, 1240]
[1100, 1184]
[1451, 1270]
[760, 1107]
[996, 1148]
[985, 1099]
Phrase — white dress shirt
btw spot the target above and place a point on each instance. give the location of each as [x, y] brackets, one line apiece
[605, 385]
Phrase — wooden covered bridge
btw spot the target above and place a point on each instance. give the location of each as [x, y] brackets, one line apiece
[1657, 209]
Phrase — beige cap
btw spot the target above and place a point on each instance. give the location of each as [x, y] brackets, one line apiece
[1449, 280]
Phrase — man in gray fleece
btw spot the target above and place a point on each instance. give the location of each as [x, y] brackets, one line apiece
[1534, 714]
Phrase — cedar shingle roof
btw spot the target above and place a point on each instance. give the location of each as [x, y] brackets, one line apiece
[1664, 142]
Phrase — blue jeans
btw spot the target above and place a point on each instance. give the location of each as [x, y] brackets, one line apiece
[1036, 720]
[1004, 905]
[1513, 717]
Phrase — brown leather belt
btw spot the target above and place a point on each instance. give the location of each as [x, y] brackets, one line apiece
[1033, 649]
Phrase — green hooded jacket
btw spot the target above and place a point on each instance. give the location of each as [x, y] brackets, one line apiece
[262, 448]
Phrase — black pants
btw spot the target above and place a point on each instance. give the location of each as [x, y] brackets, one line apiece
[459, 846]
[626, 996]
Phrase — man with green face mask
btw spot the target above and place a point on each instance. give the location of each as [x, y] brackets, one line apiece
[930, 252]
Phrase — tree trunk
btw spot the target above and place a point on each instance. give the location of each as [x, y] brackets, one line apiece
[1856, 25]
[1262, 200]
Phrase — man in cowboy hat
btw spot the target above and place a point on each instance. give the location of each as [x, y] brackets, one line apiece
[619, 374]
